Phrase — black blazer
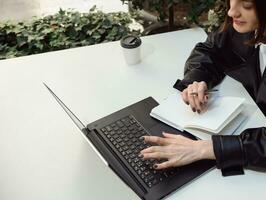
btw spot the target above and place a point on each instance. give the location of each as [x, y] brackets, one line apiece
[226, 53]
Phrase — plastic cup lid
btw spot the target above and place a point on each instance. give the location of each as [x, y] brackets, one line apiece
[130, 41]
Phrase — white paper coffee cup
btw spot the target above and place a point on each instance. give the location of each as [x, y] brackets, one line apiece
[131, 48]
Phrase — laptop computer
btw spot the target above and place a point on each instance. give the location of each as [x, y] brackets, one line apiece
[117, 138]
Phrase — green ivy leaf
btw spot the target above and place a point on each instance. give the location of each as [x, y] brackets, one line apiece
[2, 47]
[22, 40]
[114, 31]
[96, 35]
[106, 24]
[39, 45]
[71, 32]
[61, 12]
[101, 31]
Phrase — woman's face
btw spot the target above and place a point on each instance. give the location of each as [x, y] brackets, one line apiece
[244, 15]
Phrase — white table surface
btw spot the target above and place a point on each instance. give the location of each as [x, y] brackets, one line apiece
[42, 153]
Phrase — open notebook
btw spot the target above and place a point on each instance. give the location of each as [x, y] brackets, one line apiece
[220, 111]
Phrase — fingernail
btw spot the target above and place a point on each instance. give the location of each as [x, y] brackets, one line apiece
[140, 156]
[142, 138]
[186, 102]
[194, 110]
[198, 111]
[155, 166]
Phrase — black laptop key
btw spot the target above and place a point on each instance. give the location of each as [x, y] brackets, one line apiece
[120, 124]
[108, 128]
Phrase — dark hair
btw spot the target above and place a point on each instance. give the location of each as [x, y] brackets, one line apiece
[260, 7]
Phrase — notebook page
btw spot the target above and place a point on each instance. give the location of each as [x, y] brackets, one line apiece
[173, 111]
[217, 114]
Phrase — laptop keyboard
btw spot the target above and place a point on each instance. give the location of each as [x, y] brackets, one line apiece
[124, 135]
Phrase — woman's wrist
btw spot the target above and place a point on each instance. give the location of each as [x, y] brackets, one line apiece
[205, 149]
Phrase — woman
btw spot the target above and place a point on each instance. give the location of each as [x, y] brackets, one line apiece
[238, 50]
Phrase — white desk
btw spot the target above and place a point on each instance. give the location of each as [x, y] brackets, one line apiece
[42, 154]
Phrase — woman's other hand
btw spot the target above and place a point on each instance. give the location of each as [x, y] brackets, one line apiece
[177, 150]
[195, 96]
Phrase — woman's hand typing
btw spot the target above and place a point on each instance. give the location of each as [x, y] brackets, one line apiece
[177, 150]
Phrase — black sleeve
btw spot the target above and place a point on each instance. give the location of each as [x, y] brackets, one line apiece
[248, 150]
[203, 63]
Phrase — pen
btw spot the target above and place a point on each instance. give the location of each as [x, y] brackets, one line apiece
[206, 92]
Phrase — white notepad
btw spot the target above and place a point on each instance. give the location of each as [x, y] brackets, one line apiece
[220, 111]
